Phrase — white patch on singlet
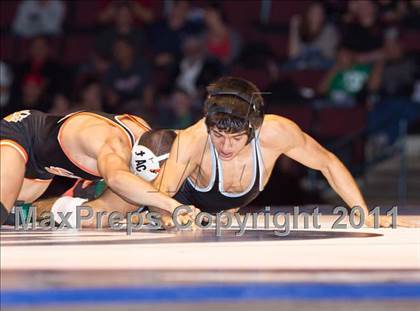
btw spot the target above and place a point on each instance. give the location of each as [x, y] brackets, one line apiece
[60, 172]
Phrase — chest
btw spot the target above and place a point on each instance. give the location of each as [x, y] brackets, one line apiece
[234, 176]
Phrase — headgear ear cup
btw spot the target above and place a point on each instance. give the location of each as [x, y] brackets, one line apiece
[144, 163]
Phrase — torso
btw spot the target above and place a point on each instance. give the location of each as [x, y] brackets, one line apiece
[238, 173]
[215, 185]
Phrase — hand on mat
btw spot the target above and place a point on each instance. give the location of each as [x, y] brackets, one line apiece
[182, 219]
[186, 217]
[386, 222]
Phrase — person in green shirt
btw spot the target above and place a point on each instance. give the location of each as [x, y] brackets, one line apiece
[347, 79]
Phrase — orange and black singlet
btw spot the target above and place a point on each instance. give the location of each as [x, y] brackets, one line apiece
[37, 136]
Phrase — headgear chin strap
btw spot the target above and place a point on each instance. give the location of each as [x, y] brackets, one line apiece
[144, 163]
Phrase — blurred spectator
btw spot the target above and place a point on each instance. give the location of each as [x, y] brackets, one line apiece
[196, 69]
[347, 79]
[165, 36]
[177, 112]
[312, 41]
[396, 85]
[96, 66]
[280, 90]
[127, 80]
[391, 11]
[6, 79]
[40, 64]
[88, 98]
[222, 42]
[141, 10]
[39, 17]
[335, 10]
[123, 25]
[362, 33]
[60, 105]
[398, 71]
[33, 93]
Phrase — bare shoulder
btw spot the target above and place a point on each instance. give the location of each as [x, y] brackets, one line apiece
[196, 134]
[192, 140]
[279, 131]
[93, 136]
[142, 121]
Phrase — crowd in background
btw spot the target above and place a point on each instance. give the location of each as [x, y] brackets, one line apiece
[154, 58]
[157, 64]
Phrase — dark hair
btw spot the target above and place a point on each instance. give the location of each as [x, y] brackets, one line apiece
[305, 31]
[233, 105]
[218, 7]
[158, 141]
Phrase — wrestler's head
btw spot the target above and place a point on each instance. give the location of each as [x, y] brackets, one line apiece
[150, 152]
[233, 113]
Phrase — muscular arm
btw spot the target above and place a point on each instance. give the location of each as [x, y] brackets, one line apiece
[305, 150]
[181, 163]
[113, 158]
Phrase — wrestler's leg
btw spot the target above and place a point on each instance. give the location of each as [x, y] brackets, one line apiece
[44, 206]
[13, 186]
[32, 189]
[12, 172]
[108, 202]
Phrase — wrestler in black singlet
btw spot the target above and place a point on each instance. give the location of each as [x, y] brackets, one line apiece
[213, 199]
[37, 133]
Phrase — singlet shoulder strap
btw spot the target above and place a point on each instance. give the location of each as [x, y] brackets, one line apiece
[131, 136]
[111, 118]
[214, 170]
[260, 160]
[67, 116]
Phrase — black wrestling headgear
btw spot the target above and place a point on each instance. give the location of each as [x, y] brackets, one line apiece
[254, 114]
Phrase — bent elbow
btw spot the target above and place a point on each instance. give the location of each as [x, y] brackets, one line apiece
[114, 180]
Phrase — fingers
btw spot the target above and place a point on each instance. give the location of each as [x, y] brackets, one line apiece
[387, 222]
[167, 222]
[183, 220]
[407, 224]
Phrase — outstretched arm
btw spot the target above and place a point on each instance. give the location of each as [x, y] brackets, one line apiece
[304, 149]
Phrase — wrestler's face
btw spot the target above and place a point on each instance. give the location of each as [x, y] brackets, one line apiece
[228, 145]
